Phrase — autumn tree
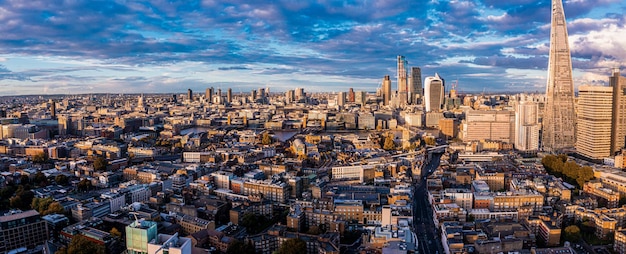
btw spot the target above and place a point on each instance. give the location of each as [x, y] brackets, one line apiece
[81, 245]
[47, 206]
[266, 139]
[40, 158]
[100, 164]
[115, 233]
[389, 143]
[572, 233]
[62, 180]
[292, 246]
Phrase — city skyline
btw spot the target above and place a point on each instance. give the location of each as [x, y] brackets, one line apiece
[153, 47]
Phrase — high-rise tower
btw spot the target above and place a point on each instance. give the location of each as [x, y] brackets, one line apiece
[403, 87]
[415, 85]
[434, 88]
[618, 123]
[386, 90]
[594, 121]
[559, 119]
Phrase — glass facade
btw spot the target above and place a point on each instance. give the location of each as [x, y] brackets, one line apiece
[138, 234]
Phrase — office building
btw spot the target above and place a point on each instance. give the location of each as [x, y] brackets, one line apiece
[229, 95]
[559, 118]
[138, 235]
[360, 97]
[341, 99]
[594, 121]
[209, 95]
[170, 244]
[386, 90]
[434, 88]
[618, 125]
[189, 95]
[492, 125]
[53, 109]
[22, 230]
[351, 95]
[415, 85]
[527, 126]
[300, 94]
[403, 87]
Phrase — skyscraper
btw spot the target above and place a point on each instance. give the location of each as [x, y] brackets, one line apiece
[189, 95]
[386, 90]
[341, 99]
[403, 88]
[594, 121]
[434, 88]
[618, 124]
[209, 95]
[527, 126]
[415, 85]
[229, 95]
[559, 118]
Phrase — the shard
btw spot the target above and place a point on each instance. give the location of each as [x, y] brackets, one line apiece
[559, 118]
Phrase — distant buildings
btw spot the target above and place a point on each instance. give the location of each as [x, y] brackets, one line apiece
[618, 124]
[386, 90]
[527, 126]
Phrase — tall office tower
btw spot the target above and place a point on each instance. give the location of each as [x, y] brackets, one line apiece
[559, 118]
[253, 94]
[527, 126]
[174, 98]
[261, 93]
[494, 125]
[403, 87]
[434, 88]
[189, 95]
[209, 94]
[594, 121]
[290, 96]
[415, 85]
[386, 90]
[351, 95]
[229, 95]
[360, 98]
[618, 126]
[341, 99]
[53, 109]
[300, 93]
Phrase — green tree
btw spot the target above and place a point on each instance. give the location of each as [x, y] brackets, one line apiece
[81, 245]
[55, 208]
[22, 198]
[40, 158]
[292, 246]
[40, 179]
[572, 233]
[84, 185]
[238, 247]
[62, 180]
[100, 164]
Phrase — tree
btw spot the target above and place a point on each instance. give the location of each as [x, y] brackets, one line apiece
[389, 144]
[40, 158]
[266, 139]
[292, 246]
[84, 185]
[81, 245]
[115, 233]
[100, 164]
[40, 179]
[62, 180]
[238, 247]
[22, 198]
[572, 233]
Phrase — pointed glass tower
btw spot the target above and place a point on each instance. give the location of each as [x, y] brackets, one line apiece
[559, 119]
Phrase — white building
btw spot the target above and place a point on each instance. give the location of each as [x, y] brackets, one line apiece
[527, 126]
[434, 90]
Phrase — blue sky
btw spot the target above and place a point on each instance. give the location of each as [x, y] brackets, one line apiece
[124, 46]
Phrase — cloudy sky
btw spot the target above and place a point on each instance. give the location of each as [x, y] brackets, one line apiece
[124, 46]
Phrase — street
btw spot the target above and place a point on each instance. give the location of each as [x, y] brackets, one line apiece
[427, 233]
